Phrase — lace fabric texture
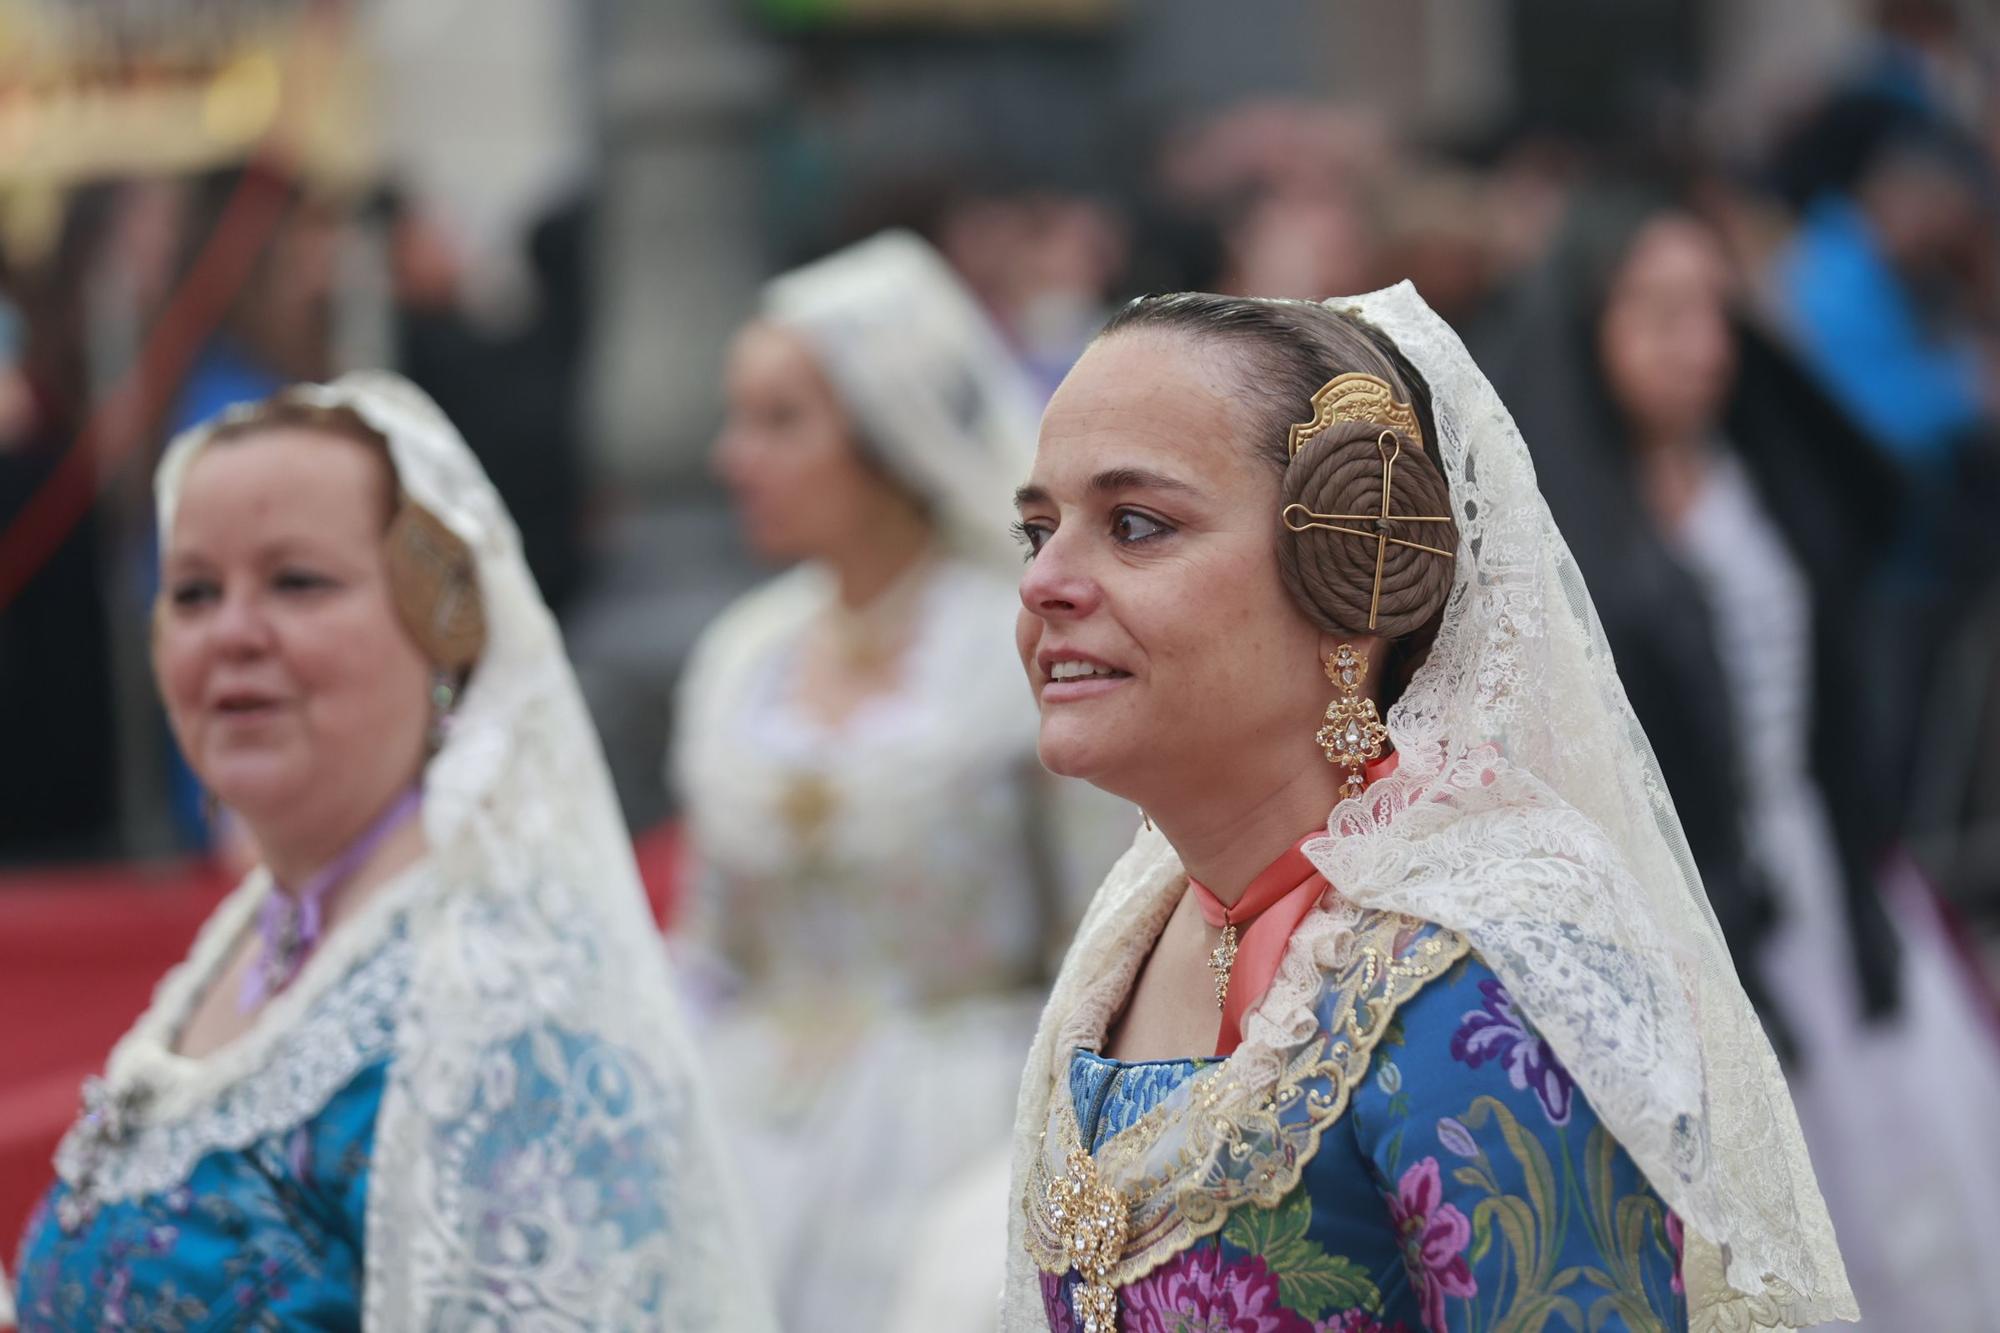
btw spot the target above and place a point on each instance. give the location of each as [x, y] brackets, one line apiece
[339, 1018]
[544, 1156]
[1529, 817]
[1244, 1130]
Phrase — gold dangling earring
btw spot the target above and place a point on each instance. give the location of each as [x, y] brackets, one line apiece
[1353, 734]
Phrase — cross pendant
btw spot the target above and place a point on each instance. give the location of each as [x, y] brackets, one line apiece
[1221, 961]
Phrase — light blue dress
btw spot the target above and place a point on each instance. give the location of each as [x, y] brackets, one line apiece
[269, 1237]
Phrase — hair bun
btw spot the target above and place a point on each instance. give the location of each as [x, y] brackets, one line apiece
[1331, 574]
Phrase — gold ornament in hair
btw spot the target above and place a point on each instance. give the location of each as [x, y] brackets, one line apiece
[1358, 397]
[436, 588]
[1354, 397]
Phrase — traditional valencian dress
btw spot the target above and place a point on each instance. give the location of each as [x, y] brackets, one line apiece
[875, 898]
[1483, 1062]
[1433, 1167]
[474, 1107]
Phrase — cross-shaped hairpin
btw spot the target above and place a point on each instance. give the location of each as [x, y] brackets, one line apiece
[1391, 449]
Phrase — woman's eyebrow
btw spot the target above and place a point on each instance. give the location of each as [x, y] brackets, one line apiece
[1138, 479]
[1112, 480]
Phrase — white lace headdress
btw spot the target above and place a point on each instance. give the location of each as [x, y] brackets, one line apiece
[938, 396]
[538, 1024]
[1529, 816]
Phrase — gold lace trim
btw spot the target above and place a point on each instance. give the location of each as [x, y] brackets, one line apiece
[1247, 1138]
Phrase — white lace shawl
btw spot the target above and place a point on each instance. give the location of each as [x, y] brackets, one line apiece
[1529, 817]
[517, 958]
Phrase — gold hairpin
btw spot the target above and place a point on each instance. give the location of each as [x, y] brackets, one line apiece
[1354, 397]
[1391, 449]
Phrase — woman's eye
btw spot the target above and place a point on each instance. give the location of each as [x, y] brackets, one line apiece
[1031, 535]
[190, 593]
[1130, 526]
[300, 580]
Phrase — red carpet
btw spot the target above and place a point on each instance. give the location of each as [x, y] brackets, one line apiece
[80, 952]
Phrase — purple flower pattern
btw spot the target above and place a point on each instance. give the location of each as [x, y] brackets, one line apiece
[1055, 1304]
[1435, 1235]
[1358, 1321]
[1495, 1031]
[1198, 1293]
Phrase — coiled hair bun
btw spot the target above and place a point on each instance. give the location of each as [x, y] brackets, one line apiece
[1329, 562]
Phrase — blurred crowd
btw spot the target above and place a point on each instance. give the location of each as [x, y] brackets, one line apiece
[1846, 243]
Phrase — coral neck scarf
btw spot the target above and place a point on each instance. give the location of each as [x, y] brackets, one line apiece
[1264, 918]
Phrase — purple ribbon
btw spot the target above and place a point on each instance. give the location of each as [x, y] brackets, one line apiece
[291, 923]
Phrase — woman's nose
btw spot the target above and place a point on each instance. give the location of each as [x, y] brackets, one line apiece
[1057, 585]
[241, 627]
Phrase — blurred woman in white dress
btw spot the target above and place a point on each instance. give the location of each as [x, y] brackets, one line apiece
[880, 866]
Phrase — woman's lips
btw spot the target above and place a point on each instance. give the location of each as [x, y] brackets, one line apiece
[246, 708]
[1081, 687]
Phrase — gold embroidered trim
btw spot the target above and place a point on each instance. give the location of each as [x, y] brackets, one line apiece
[1239, 1147]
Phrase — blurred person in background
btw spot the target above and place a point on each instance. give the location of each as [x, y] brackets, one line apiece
[1271, 196]
[1436, 234]
[1727, 518]
[1889, 293]
[511, 381]
[423, 1068]
[1880, 277]
[1299, 242]
[880, 867]
[1043, 263]
[278, 327]
[55, 650]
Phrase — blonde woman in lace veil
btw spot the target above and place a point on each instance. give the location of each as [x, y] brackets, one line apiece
[422, 1069]
[1440, 1034]
[879, 866]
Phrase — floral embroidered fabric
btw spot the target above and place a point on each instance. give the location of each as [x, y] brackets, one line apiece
[1469, 1186]
[266, 1237]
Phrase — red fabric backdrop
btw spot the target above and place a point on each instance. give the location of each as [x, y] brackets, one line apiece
[80, 952]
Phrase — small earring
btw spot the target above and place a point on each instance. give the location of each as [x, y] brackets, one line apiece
[444, 693]
[1145, 819]
[1353, 734]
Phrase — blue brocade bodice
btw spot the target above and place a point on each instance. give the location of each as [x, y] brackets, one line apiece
[1467, 1187]
[267, 1237]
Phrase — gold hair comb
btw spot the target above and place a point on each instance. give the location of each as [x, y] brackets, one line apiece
[1355, 397]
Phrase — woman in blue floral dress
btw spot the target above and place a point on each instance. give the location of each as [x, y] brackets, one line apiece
[1416, 1023]
[422, 1069]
